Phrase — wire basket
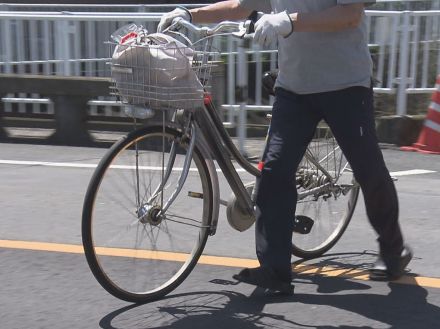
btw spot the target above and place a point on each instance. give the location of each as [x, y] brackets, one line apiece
[160, 72]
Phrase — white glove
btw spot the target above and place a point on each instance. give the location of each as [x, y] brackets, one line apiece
[168, 18]
[270, 26]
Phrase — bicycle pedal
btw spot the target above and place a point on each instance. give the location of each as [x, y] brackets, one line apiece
[302, 224]
[196, 195]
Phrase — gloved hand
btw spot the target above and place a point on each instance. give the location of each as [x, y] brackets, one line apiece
[269, 26]
[167, 19]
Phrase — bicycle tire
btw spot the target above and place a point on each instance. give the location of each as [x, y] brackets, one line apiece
[117, 267]
[328, 227]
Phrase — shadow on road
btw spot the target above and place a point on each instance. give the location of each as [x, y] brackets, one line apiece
[405, 306]
[208, 310]
[400, 306]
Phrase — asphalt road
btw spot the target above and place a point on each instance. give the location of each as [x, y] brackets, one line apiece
[42, 190]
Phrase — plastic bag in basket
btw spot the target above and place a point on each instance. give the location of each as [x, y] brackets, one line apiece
[156, 70]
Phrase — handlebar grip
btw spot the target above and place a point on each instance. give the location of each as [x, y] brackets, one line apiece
[253, 17]
[249, 36]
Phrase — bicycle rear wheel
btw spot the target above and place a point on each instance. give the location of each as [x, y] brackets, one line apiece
[136, 253]
[327, 195]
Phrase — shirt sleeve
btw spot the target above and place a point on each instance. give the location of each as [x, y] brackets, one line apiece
[258, 5]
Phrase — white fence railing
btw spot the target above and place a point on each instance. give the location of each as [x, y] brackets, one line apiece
[404, 46]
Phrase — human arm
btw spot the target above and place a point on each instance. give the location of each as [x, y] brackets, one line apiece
[220, 11]
[213, 13]
[332, 19]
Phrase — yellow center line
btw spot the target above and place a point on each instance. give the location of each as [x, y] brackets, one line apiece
[300, 268]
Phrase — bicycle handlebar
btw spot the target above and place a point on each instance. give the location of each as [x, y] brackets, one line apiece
[237, 29]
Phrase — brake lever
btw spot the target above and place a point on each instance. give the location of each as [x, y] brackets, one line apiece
[174, 26]
[246, 30]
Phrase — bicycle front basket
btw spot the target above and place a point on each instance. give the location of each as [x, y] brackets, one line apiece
[156, 70]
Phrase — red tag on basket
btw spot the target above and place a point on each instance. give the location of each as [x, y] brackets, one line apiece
[207, 99]
[128, 36]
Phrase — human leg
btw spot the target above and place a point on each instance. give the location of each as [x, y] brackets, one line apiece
[292, 127]
[350, 116]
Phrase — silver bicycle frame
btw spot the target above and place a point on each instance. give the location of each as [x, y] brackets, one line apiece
[183, 174]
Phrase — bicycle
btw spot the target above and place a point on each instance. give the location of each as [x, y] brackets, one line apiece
[154, 198]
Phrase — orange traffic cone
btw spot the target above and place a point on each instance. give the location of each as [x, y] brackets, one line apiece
[429, 138]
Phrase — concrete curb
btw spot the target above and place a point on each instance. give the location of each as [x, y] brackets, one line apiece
[400, 130]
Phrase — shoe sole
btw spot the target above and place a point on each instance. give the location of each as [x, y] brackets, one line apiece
[281, 289]
[385, 276]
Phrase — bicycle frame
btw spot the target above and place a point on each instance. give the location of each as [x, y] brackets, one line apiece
[221, 147]
[223, 150]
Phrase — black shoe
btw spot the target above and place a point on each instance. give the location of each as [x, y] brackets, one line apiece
[264, 277]
[390, 267]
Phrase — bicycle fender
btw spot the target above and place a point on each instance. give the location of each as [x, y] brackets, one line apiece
[201, 144]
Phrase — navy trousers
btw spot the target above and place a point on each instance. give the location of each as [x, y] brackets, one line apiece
[350, 115]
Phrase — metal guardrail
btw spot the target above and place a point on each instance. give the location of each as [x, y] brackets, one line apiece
[70, 43]
[404, 45]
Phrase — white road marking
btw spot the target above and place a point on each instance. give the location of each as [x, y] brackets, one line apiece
[87, 165]
[411, 172]
[48, 164]
[92, 165]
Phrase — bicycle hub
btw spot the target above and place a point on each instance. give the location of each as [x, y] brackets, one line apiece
[148, 214]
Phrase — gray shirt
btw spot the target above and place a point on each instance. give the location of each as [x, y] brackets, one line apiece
[312, 62]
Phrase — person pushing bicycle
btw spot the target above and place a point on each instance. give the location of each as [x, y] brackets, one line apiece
[325, 71]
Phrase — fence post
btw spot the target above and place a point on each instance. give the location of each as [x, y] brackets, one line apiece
[242, 82]
[405, 29]
[62, 47]
[3, 133]
[231, 81]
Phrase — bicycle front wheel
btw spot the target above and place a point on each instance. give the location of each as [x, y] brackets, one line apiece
[137, 250]
[327, 195]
